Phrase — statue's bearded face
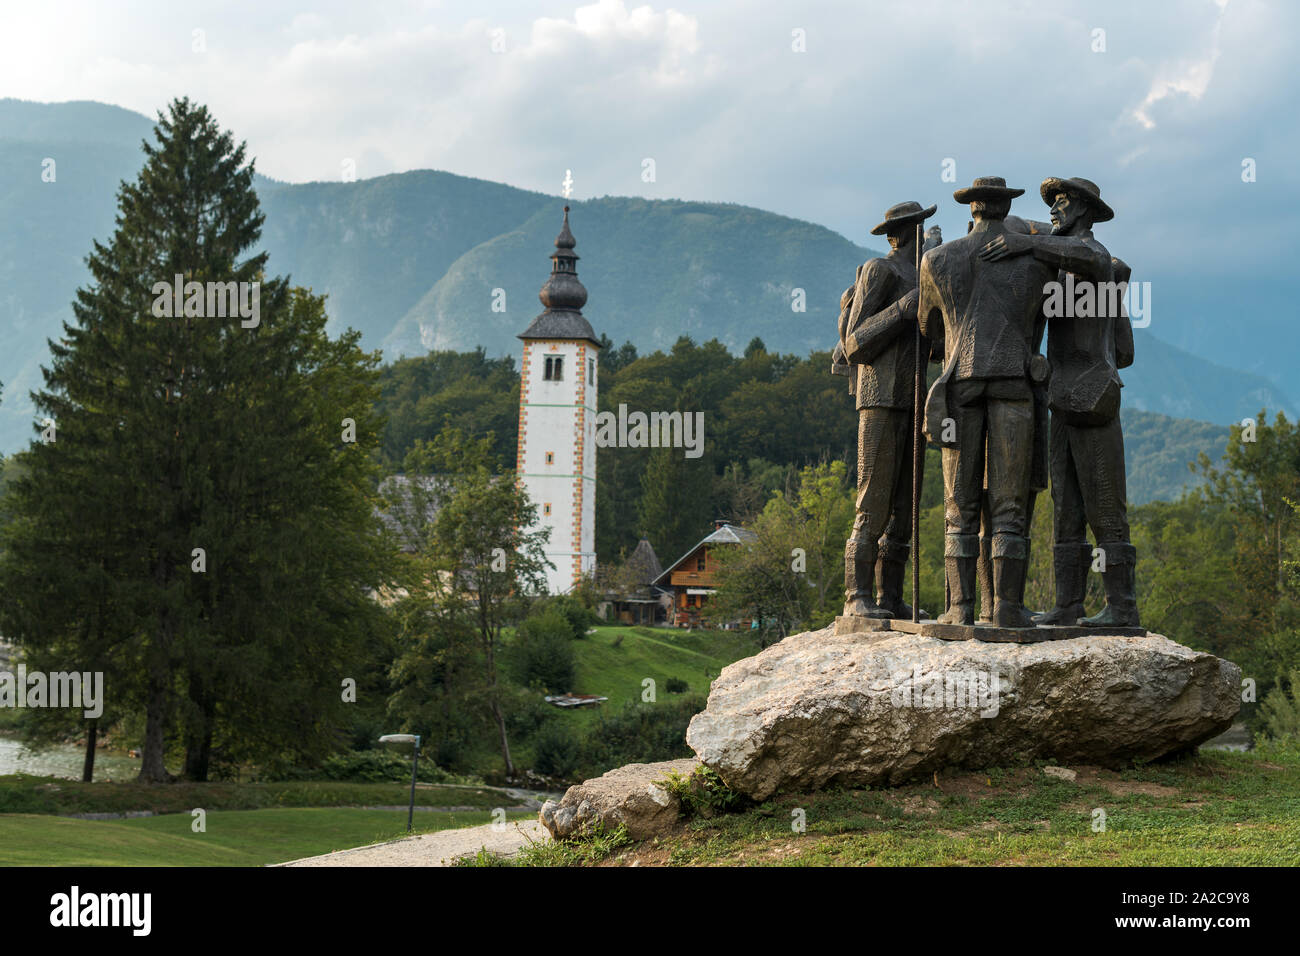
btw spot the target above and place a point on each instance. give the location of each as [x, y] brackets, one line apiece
[1066, 212]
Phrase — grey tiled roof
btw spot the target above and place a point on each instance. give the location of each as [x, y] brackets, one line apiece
[560, 324]
[401, 518]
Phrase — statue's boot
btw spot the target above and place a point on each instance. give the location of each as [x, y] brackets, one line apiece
[1120, 578]
[859, 576]
[960, 555]
[890, 578]
[1010, 562]
[1070, 562]
[985, 575]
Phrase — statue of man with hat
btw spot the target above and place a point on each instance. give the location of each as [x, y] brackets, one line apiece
[981, 408]
[878, 338]
[1087, 343]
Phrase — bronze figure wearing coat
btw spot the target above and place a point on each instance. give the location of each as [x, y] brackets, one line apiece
[1089, 339]
[981, 408]
[877, 340]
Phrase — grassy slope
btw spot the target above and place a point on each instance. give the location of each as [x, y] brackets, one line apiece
[232, 838]
[616, 672]
[1214, 809]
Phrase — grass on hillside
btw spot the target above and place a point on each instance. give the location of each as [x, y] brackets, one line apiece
[612, 662]
[615, 660]
[20, 793]
[1213, 809]
[232, 838]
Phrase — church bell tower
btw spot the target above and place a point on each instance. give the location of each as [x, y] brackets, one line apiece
[556, 460]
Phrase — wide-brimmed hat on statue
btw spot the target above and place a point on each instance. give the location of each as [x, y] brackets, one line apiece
[986, 187]
[903, 214]
[1085, 189]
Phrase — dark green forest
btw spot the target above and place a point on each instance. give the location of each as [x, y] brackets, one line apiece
[766, 416]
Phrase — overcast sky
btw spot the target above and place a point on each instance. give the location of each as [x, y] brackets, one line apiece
[720, 98]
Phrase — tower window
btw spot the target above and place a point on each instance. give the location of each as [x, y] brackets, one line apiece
[591, 371]
[550, 457]
[546, 508]
[554, 370]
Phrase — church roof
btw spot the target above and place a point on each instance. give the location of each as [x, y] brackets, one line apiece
[563, 295]
[556, 324]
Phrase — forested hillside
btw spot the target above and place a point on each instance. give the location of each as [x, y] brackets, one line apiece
[766, 415]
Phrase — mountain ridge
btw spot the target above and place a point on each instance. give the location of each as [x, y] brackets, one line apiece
[414, 259]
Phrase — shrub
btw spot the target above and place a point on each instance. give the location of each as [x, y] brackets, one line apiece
[556, 750]
[1280, 711]
[702, 793]
[526, 713]
[376, 766]
[640, 733]
[542, 653]
[578, 615]
[675, 685]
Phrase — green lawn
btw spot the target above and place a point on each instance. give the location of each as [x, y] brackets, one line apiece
[20, 793]
[1215, 809]
[233, 837]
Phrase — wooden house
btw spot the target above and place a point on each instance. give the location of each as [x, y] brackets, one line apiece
[692, 578]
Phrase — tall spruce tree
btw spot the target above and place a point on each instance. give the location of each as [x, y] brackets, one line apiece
[203, 465]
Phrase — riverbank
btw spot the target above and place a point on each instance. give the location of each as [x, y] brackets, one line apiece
[62, 760]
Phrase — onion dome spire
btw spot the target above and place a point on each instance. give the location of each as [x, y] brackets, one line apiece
[562, 295]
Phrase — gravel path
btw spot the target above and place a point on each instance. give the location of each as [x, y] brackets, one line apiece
[435, 849]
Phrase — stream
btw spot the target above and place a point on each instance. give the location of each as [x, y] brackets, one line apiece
[62, 760]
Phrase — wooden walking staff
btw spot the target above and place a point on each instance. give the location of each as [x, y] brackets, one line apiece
[918, 447]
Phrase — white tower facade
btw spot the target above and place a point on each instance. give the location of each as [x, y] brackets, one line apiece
[556, 459]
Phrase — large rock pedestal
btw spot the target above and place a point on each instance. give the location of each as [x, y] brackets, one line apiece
[820, 709]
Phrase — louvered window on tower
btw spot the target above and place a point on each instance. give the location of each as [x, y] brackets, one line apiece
[554, 371]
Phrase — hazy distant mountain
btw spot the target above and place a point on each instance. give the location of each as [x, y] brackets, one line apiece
[1170, 381]
[414, 260]
[655, 270]
[1158, 449]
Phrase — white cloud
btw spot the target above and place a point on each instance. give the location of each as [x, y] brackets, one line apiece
[715, 95]
[1189, 78]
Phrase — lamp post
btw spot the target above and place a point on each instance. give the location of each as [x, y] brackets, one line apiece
[415, 762]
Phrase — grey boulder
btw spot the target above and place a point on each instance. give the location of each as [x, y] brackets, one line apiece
[630, 795]
[818, 710]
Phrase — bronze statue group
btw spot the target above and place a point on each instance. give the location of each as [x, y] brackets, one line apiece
[1006, 417]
